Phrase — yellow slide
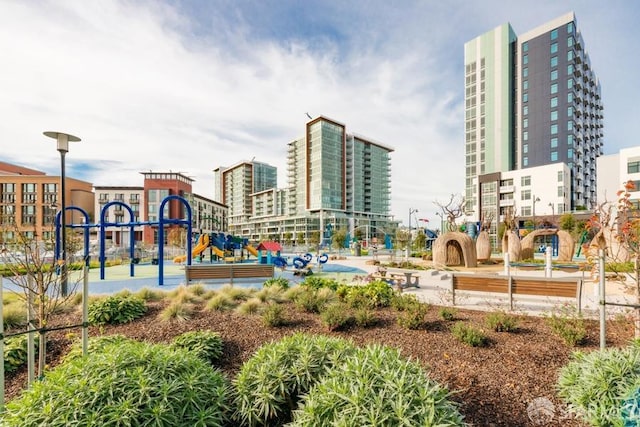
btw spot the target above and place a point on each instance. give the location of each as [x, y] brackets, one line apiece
[253, 251]
[217, 251]
[203, 243]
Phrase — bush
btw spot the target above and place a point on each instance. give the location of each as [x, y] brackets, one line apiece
[413, 316]
[597, 385]
[403, 302]
[273, 315]
[15, 353]
[500, 321]
[314, 301]
[147, 294]
[448, 313]
[335, 316]
[95, 345]
[376, 386]
[314, 282]
[280, 282]
[176, 311]
[130, 383]
[207, 345]
[269, 384]
[373, 294]
[220, 302]
[568, 324]
[469, 335]
[365, 318]
[250, 306]
[116, 310]
[14, 315]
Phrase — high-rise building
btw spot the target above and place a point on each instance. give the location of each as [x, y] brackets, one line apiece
[335, 180]
[530, 101]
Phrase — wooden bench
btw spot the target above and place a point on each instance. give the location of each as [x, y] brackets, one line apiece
[569, 287]
[227, 271]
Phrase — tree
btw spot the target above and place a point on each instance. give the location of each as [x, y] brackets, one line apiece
[300, 238]
[420, 241]
[338, 238]
[176, 236]
[33, 271]
[567, 222]
[452, 210]
[314, 240]
[287, 237]
[402, 237]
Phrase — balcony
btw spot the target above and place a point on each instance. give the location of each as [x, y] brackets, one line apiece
[507, 189]
[507, 203]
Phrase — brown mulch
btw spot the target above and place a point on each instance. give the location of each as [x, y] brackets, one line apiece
[494, 385]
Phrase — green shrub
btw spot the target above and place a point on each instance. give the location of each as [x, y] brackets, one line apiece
[447, 313]
[312, 300]
[596, 385]
[273, 315]
[271, 294]
[269, 384]
[373, 294]
[14, 315]
[236, 294]
[335, 316]
[15, 352]
[413, 316]
[176, 312]
[220, 302]
[147, 294]
[500, 321]
[116, 310]
[130, 383]
[365, 318]
[95, 345]
[568, 324]
[250, 306]
[280, 282]
[207, 345]
[314, 282]
[469, 335]
[403, 302]
[376, 386]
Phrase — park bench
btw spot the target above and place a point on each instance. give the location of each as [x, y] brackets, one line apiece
[568, 287]
[401, 280]
[227, 271]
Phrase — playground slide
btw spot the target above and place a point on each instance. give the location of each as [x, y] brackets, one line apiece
[203, 243]
[253, 251]
[217, 251]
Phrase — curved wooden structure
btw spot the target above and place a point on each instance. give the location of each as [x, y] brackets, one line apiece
[483, 246]
[455, 248]
[566, 245]
[511, 245]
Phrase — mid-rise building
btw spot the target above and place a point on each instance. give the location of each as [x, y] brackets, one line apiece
[530, 101]
[30, 200]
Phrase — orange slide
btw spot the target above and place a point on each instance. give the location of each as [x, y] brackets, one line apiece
[253, 251]
[201, 245]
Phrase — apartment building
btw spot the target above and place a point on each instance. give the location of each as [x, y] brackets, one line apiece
[531, 101]
[30, 200]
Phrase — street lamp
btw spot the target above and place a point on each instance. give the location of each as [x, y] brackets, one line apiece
[63, 147]
[411, 212]
[535, 200]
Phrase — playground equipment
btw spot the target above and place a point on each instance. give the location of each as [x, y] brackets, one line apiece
[223, 246]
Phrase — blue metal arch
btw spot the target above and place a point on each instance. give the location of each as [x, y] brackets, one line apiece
[85, 226]
[103, 239]
[161, 224]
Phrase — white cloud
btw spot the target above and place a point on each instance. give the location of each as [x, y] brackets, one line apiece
[148, 86]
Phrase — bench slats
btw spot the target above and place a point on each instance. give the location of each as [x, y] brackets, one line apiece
[227, 271]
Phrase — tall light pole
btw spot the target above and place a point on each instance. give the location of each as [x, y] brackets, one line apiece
[63, 147]
[553, 212]
[411, 212]
[535, 200]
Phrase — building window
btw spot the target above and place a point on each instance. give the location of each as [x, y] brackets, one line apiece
[525, 97]
[569, 112]
[525, 148]
[554, 47]
[633, 167]
[570, 153]
[554, 75]
[560, 176]
[554, 61]
[554, 88]
[554, 129]
[525, 72]
[560, 192]
[570, 125]
[554, 142]
[569, 83]
[554, 115]
[525, 135]
[525, 59]
[525, 195]
[554, 156]
[525, 110]
[526, 211]
[525, 161]
[570, 41]
[525, 46]
[554, 102]
[570, 28]
[525, 123]
[570, 140]
[570, 55]
[554, 34]
[525, 85]
[569, 69]
[525, 181]
[570, 97]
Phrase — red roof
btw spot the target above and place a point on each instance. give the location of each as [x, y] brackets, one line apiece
[269, 246]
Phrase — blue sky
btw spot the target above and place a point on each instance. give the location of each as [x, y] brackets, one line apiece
[192, 85]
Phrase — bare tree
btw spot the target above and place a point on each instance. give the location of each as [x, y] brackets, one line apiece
[452, 210]
[34, 272]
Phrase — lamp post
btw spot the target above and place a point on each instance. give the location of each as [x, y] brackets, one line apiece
[553, 212]
[411, 212]
[535, 200]
[63, 147]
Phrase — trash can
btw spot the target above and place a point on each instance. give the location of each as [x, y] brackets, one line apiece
[358, 249]
[154, 261]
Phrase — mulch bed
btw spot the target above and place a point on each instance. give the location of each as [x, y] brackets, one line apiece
[494, 385]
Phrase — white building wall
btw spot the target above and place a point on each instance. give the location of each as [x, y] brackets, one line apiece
[549, 183]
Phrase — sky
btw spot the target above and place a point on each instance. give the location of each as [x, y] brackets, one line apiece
[188, 86]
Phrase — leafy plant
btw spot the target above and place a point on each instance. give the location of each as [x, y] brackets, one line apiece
[95, 345]
[335, 316]
[568, 324]
[116, 310]
[469, 335]
[273, 315]
[270, 384]
[500, 321]
[376, 386]
[15, 353]
[448, 313]
[207, 345]
[365, 318]
[403, 302]
[597, 385]
[129, 383]
[373, 294]
[314, 300]
[314, 282]
[413, 316]
[176, 311]
[281, 282]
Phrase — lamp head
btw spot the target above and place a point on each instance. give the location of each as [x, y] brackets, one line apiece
[62, 138]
